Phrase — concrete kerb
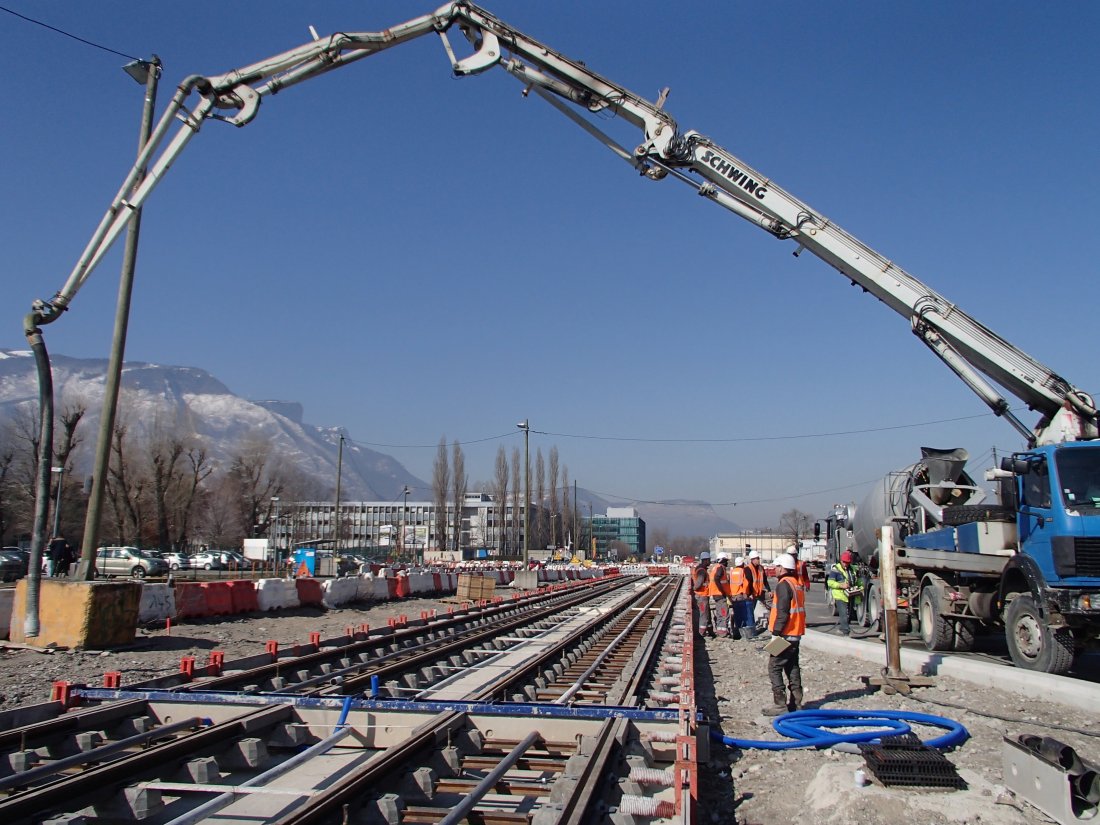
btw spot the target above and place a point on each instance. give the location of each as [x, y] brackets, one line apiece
[1031, 684]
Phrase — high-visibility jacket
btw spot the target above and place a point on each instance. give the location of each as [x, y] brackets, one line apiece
[839, 580]
[717, 581]
[700, 579]
[757, 579]
[739, 585]
[795, 624]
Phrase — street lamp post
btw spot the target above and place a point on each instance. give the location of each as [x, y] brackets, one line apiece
[57, 505]
[275, 532]
[146, 72]
[404, 516]
[525, 425]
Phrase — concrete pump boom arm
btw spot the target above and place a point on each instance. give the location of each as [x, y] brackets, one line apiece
[968, 348]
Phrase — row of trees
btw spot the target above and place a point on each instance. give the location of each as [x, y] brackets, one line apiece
[548, 481]
[162, 488]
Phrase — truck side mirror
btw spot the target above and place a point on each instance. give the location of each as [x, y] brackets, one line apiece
[817, 530]
[1016, 466]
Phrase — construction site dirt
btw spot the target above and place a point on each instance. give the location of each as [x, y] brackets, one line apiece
[747, 786]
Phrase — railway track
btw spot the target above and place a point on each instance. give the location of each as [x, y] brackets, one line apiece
[574, 705]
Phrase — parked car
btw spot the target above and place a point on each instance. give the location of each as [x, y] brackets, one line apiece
[128, 561]
[176, 560]
[207, 561]
[233, 560]
[13, 564]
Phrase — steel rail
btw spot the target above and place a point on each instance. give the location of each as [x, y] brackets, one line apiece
[611, 647]
[362, 681]
[123, 772]
[40, 772]
[317, 658]
[511, 681]
[69, 723]
[470, 801]
[650, 651]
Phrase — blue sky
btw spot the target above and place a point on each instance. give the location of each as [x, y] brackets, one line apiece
[412, 255]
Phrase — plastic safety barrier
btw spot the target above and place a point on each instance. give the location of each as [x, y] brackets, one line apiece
[219, 601]
[190, 600]
[7, 599]
[276, 594]
[402, 589]
[243, 594]
[338, 592]
[309, 592]
[158, 603]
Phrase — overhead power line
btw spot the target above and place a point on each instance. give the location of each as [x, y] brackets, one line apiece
[67, 34]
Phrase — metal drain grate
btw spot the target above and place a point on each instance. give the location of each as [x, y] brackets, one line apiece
[911, 764]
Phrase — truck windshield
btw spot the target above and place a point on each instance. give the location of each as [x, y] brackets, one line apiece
[1079, 477]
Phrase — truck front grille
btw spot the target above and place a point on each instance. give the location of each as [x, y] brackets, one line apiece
[1087, 554]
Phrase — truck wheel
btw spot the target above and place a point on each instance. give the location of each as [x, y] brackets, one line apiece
[1031, 643]
[967, 513]
[965, 632]
[937, 632]
[874, 606]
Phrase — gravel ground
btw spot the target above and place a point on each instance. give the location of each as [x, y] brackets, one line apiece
[26, 676]
[750, 787]
[764, 787]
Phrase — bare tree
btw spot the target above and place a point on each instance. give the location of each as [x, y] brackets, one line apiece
[517, 490]
[541, 530]
[255, 478]
[64, 445]
[795, 525]
[124, 489]
[441, 482]
[500, 495]
[7, 490]
[459, 482]
[554, 515]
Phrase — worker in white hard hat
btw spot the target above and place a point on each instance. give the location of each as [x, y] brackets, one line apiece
[742, 623]
[802, 569]
[787, 621]
[700, 588]
[757, 578]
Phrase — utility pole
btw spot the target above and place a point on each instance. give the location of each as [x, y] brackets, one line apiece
[525, 425]
[339, 472]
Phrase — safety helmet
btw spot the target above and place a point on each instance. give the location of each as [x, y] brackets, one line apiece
[785, 560]
[846, 556]
[791, 548]
[723, 557]
[753, 555]
[704, 556]
[737, 562]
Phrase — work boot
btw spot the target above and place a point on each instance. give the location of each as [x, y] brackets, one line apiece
[796, 699]
[779, 703]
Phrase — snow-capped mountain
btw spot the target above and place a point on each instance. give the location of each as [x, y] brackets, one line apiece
[191, 400]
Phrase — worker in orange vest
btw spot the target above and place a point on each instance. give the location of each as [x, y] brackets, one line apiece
[700, 588]
[757, 578]
[801, 567]
[742, 623]
[718, 589]
[787, 621]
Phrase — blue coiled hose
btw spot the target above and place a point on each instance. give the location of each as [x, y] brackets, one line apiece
[810, 729]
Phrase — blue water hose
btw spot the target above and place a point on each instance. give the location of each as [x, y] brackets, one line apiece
[810, 729]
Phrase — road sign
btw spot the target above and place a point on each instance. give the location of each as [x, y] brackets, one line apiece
[658, 550]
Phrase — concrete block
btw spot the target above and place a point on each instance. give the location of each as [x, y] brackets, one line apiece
[79, 614]
[244, 755]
